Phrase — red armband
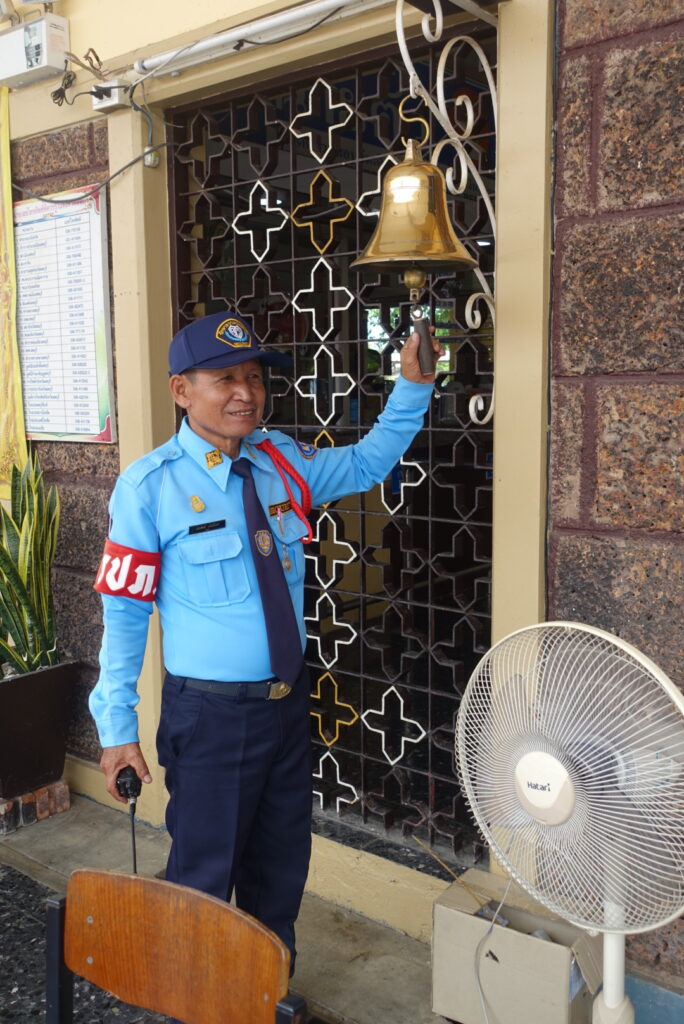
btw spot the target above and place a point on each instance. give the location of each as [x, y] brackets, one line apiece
[126, 572]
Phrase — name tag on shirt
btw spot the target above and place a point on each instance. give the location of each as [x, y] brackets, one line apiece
[280, 509]
[205, 527]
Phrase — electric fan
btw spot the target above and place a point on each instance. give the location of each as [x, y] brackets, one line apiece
[570, 748]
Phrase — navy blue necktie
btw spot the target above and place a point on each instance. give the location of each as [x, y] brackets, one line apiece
[284, 644]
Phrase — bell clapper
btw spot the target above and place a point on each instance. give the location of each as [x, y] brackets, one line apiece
[414, 279]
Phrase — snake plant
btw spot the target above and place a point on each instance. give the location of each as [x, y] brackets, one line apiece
[28, 539]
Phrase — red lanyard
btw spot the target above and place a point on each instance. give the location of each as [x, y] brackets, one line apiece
[284, 466]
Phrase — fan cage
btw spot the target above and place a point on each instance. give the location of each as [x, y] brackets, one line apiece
[616, 723]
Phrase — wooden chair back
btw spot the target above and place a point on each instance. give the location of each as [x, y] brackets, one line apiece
[173, 950]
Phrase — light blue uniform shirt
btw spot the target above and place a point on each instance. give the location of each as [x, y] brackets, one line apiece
[208, 596]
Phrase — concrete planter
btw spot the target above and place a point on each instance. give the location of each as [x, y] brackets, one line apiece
[34, 717]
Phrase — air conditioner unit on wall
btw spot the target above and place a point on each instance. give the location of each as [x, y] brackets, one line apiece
[33, 50]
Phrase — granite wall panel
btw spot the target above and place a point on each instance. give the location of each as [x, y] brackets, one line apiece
[640, 458]
[89, 462]
[567, 444]
[84, 526]
[574, 137]
[65, 182]
[84, 473]
[616, 471]
[659, 955]
[642, 126]
[632, 587]
[590, 21]
[618, 296]
[62, 152]
[78, 610]
[82, 739]
[100, 142]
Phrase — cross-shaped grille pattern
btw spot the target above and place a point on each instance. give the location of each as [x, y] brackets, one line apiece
[275, 193]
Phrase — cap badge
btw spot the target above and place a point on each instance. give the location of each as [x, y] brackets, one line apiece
[234, 333]
[197, 504]
[264, 541]
[214, 458]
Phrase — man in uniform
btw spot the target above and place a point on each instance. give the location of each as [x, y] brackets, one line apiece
[208, 526]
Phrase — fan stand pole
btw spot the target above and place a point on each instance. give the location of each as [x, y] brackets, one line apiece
[612, 1006]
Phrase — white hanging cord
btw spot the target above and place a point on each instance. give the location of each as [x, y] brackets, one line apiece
[478, 957]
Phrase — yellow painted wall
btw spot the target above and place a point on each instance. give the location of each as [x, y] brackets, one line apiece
[142, 315]
[129, 26]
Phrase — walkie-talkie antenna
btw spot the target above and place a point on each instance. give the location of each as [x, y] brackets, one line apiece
[129, 786]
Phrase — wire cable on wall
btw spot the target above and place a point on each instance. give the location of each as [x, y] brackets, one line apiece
[94, 65]
[284, 39]
[96, 188]
[59, 96]
[237, 46]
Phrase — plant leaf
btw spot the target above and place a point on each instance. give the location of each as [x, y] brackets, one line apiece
[28, 542]
[13, 577]
[8, 654]
[15, 494]
[11, 618]
[10, 533]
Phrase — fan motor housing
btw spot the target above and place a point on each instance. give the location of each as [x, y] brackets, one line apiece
[544, 787]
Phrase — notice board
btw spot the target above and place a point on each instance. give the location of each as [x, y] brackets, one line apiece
[63, 322]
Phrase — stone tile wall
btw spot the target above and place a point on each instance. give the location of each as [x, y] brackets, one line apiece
[84, 473]
[616, 516]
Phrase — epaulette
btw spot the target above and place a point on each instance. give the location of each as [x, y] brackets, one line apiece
[276, 437]
[281, 440]
[141, 468]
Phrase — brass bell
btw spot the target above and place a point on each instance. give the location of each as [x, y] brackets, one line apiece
[414, 232]
[414, 227]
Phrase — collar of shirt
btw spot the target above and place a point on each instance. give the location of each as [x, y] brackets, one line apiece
[197, 448]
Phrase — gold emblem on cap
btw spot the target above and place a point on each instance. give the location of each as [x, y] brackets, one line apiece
[234, 333]
[214, 458]
[197, 503]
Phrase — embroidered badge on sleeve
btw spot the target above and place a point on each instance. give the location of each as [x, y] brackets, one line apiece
[127, 572]
[307, 450]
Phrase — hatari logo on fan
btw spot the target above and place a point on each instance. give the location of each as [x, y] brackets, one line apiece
[234, 333]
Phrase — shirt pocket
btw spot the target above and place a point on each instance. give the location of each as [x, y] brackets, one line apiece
[289, 543]
[214, 569]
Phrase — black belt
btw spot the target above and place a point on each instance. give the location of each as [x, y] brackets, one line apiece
[272, 689]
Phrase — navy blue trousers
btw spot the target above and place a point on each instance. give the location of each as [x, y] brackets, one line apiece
[238, 773]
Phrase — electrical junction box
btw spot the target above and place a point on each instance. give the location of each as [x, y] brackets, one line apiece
[33, 50]
[547, 978]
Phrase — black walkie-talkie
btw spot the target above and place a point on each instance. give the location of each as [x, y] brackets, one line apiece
[129, 786]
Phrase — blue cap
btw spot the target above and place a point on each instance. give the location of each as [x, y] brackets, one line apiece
[217, 341]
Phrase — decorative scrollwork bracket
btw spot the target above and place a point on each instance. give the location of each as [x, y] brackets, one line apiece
[432, 25]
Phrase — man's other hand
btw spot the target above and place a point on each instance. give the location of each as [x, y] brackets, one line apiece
[410, 367]
[115, 758]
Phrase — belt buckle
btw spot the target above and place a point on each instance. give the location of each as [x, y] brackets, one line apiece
[278, 690]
